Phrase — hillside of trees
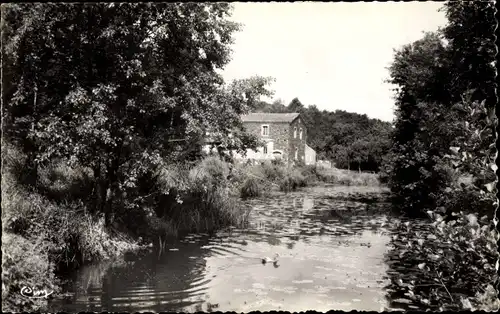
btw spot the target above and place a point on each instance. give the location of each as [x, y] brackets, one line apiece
[350, 140]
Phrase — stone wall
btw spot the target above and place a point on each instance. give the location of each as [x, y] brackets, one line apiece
[278, 134]
[297, 142]
[281, 138]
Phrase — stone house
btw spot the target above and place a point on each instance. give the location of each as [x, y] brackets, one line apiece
[284, 134]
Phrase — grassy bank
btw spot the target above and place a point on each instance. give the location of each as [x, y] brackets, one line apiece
[42, 238]
[52, 227]
[340, 176]
[257, 180]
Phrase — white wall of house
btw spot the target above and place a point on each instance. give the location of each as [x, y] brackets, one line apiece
[265, 152]
[310, 155]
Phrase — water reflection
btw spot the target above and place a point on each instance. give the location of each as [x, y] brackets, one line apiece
[331, 257]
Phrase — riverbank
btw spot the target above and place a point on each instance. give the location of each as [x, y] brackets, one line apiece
[51, 228]
[256, 180]
[42, 239]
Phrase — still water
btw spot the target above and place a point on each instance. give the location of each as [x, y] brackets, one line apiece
[332, 249]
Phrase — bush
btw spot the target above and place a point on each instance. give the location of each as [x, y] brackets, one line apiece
[459, 255]
[250, 188]
[40, 237]
[14, 163]
[344, 177]
[75, 235]
[273, 173]
[311, 174]
[213, 169]
[292, 180]
[278, 162]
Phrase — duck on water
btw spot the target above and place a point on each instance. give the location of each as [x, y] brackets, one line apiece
[274, 260]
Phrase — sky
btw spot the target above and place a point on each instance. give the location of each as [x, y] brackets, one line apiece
[333, 55]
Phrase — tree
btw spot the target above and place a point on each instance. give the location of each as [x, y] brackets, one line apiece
[295, 105]
[471, 34]
[433, 79]
[120, 88]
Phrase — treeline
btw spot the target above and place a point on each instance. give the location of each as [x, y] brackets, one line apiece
[443, 145]
[350, 140]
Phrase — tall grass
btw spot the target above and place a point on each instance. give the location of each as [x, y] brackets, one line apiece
[257, 180]
[340, 176]
[250, 188]
[199, 198]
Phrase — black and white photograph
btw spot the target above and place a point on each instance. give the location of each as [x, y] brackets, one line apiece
[249, 156]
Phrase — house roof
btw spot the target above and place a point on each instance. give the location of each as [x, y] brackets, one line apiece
[269, 117]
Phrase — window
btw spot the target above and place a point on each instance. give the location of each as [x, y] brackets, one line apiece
[300, 133]
[295, 132]
[265, 150]
[296, 153]
[265, 130]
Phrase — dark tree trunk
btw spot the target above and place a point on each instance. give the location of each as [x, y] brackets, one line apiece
[31, 177]
[111, 186]
[96, 188]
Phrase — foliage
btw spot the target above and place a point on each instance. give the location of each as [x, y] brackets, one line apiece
[41, 238]
[451, 263]
[341, 177]
[197, 198]
[442, 160]
[470, 32]
[250, 188]
[273, 172]
[25, 263]
[292, 180]
[99, 100]
[437, 114]
[120, 88]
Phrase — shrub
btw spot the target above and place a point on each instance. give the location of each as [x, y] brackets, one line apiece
[14, 163]
[273, 173]
[75, 235]
[199, 198]
[278, 162]
[292, 180]
[250, 188]
[459, 255]
[311, 174]
[345, 177]
[216, 169]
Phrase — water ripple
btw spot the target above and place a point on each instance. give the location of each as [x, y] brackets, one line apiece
[331, 256]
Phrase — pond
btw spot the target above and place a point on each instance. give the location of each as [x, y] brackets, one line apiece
[332, 242]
